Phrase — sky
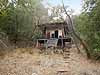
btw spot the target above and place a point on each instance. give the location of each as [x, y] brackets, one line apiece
[76, 5]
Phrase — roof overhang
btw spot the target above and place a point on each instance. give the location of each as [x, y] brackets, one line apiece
[57, 25]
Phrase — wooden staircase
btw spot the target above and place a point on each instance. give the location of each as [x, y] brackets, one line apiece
[66, 56]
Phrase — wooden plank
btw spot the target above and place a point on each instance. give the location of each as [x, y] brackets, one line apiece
[52, 42]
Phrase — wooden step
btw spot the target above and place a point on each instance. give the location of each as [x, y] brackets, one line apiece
[66, 61]
[66, 51]
[67, 54]
[62, 72]
[66, 57]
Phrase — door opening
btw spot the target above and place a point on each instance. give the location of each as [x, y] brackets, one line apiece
[56, 34]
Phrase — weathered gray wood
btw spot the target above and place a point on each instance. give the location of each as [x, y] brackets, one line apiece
[51, 43]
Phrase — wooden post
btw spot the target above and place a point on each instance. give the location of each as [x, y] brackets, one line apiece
[37, 44]
[62, 42]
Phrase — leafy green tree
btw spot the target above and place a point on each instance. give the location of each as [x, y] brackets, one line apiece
[18, 18]
[88, 25]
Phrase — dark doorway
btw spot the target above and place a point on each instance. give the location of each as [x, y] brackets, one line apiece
[56, 34]
[53, 36]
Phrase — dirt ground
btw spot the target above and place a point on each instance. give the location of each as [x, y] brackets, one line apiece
[31, 62]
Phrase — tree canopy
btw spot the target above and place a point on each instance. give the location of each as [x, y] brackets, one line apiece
[19, 17]
[88, 25]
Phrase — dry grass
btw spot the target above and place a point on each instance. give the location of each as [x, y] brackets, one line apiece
[30, 62]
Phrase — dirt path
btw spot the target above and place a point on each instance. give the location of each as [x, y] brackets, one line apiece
[30, 62]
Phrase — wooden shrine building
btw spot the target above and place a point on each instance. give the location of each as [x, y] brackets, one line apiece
[54, 34]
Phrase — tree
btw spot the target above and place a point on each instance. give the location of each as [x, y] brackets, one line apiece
[18, 18]
[88, 25]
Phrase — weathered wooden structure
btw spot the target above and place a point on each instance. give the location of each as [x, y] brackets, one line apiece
[54, 35]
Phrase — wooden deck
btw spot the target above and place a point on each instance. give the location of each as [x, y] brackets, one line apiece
[53, 42]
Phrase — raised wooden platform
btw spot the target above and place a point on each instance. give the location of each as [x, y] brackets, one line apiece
[54, 42]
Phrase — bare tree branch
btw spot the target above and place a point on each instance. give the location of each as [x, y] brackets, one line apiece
[72, 32]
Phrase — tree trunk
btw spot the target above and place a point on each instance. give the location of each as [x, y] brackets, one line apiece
[72, 32]
[84, 45]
